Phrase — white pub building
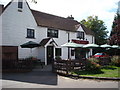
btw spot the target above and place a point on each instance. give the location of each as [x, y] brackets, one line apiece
[21, 24]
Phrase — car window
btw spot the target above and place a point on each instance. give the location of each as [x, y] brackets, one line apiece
[98, 54]
[103, 53]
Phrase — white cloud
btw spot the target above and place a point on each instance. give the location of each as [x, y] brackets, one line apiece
[80, 9]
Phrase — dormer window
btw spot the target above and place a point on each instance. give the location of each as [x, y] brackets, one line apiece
[20, 4]
[80, 35]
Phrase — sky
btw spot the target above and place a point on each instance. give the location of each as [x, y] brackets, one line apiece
[79, 9]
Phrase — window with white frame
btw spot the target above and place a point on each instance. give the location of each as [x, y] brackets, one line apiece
[30, 33]
[20, 4]
[80, 35]
[58, 52]
[52, 33]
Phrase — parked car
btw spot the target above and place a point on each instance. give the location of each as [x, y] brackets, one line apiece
[98, 55]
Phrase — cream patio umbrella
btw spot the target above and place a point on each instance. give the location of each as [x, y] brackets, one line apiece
[115, 46]
[106, 46]
[71, 45]
[91, 46]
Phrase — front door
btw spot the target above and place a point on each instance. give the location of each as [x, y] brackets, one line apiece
[50, 54]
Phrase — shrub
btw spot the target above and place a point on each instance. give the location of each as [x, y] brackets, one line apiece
[58, 58]
[92, 64]
[115, 60]
[32, 58]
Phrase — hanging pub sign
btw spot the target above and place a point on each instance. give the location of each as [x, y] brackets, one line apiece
[80, 41]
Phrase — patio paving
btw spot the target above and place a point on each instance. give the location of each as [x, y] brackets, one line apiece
[44, 78]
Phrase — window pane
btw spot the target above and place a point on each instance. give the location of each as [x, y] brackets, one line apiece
[83, 36]
[80, 35]
[30, 33]
[48, 33]
[57, 51]
[56, 33]
[20, 4]
[52, 33]
[72, 52]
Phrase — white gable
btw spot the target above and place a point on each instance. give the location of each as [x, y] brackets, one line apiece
[80, 28]
[16, 22]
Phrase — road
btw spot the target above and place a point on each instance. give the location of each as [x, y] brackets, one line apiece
[54, 82]
[46, 79]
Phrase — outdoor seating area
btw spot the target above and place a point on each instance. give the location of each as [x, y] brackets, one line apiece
[59, 65]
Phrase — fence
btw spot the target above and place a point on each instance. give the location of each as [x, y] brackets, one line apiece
[104, 61]
[22, 65]
[66, 66]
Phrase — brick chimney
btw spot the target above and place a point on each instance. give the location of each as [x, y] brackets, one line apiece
[1, 8]
[70, 17]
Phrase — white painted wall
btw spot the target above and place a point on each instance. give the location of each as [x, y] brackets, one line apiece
[41, 53]
[63, 38]
[0, 30]
[15, 26]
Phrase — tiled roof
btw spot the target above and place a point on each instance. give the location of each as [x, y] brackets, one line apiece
[87, 31]
[44, 41]
[1, 8]
[52, 21]
[7, 5]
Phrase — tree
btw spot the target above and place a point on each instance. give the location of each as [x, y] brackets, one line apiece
[35, 1]
[98, 27]
[114, 38]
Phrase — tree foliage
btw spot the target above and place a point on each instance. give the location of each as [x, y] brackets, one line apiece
[117, 16]
[98, 27]
[33, 1]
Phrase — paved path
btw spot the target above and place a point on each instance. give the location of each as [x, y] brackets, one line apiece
[44, 78]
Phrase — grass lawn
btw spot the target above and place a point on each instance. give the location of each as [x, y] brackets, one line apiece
[107, 71]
